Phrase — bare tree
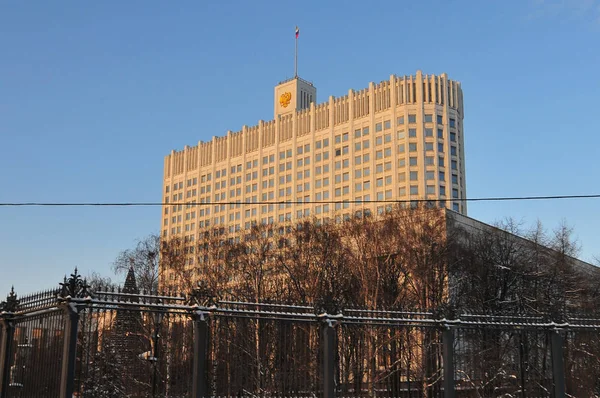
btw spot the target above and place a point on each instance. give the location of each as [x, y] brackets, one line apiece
[156, 260]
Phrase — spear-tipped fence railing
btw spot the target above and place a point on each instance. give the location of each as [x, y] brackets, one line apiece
[118, 342]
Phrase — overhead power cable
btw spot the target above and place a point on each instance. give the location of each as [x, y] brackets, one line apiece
[283, 202]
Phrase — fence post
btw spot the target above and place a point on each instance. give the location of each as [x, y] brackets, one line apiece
[8, 331]
[328, 350]
[557, 340]
[7, 328]
[67, 377]
[72, 288]
[448, 358]
[201, 336]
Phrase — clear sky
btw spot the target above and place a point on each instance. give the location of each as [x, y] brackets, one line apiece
[93, 95]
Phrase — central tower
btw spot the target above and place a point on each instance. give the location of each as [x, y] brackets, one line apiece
[293, 95]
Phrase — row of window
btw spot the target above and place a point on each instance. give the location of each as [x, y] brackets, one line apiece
[365, 144]
[339, 191]
[320, 209]
[306, 173]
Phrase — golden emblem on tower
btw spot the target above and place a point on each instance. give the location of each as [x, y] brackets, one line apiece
[285, 99]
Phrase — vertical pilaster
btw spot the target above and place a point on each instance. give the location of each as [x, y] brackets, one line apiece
[201, 339]
[557, 341]
[448, 358]
[328, 350]
[7, 332]
[67, 377]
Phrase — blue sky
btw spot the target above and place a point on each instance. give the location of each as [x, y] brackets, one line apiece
[93, 95]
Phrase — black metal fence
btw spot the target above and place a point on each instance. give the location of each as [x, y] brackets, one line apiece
[72, 342]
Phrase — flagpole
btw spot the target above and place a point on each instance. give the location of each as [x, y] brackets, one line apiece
[296, 57]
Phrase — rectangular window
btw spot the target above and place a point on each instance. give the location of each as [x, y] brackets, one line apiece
[365, 144]
[440, 147]
[412, 119]
[454, 165]
[400, 120]
[442, 190]
[412, 161]
[401, 134]
[325, 142]
[412, 133]
[430, 189]
[402, 191]
[401, 177]
[428, 132]
[455, 193]
[412, 147]
[453, 150]
[429, 146]
[378, 127]
[378, 141]
[428, 118]
[387, 124]
[414, 190]
[428, 160]
[401, 148]
[365, 131]
[453, 137]
[454, 179]
[440, 133]
[414, 175]
[357, 146]
[452, 122]
[429, 175]
[357, 133]
[440, 119]
[442, 176]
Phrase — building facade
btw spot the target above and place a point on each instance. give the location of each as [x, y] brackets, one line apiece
[399, 140]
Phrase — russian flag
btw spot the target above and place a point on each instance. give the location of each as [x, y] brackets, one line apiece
[297, 32]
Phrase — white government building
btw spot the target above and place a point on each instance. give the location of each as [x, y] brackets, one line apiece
[399, 140]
